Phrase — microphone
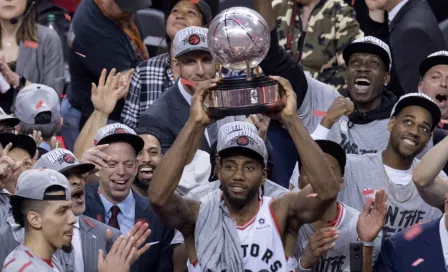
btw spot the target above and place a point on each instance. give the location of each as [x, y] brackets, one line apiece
[15, 20]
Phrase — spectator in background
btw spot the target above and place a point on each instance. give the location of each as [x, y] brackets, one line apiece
[156, 75]
[29, 52]
[315, 32]
[147, 160]
[169, 113]
[8, 123]
[115, 203]
[413, 34]
[167, 5]
[37, 107]
[105, 36]
[41, 205]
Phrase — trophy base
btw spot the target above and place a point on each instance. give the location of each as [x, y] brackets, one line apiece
[245, 110]
[242, 96]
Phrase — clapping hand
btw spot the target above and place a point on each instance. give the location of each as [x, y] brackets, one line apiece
[320, 241]
[371, 220]
[110, 89]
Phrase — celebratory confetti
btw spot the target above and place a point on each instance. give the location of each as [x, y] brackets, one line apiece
[413, 232]
[79, 54]
[194, 1]
[68, 17]
[368, 192]
[320, 113]
[417, 262]
[31, 44]
[312, 195]
[186, 82]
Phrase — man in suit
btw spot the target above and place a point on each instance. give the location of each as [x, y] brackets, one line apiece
[413, 34]
[169, 113]
[113, 202]
[428, 251]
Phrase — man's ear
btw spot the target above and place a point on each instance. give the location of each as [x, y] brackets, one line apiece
[391, 124]
[175, 66]
[61, 122]
[341, 184]
[386, 78]
[34, 219]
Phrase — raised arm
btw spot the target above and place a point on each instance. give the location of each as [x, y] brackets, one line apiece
[110, 89]
[319, 173]
[176, 211]
[430, 185]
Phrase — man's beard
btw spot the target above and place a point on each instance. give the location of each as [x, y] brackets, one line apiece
[238, 203]
[67, 248]
[141, 185]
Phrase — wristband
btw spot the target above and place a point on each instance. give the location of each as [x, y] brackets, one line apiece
[367, 244]
[300, 266]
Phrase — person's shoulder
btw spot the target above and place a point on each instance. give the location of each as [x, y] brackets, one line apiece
[317, 86]
[415, 234]
[156, 62]
[45, 33]
[19, 260]
[98, 226]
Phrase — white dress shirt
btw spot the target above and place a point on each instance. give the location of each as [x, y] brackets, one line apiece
[77, 248]
[395, 10]
[444, 238]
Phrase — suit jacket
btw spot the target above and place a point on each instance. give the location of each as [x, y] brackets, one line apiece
[159, 257]
[168, 115]
[414, 34]
[93, 238]
[398, 254]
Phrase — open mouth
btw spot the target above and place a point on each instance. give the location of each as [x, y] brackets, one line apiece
[146, 172]
[441, 98]
[362, 83]
[410, 142]
[78, 196]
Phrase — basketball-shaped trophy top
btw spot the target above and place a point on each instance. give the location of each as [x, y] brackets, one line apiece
[238, 36]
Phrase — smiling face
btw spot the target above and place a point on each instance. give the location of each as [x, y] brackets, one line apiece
[116, 179]
[148, 159]
[184, 14]
[435, 84]
[410, 131]
[11, 8]
[196, 66]
[366, 76]
[241, 177]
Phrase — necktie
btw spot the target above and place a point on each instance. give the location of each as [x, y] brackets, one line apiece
[212, 131]
[113, 222]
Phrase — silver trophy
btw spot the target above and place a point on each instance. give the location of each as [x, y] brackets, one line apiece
[239, 39]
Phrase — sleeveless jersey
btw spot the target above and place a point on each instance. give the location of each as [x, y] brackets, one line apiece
[261, 243]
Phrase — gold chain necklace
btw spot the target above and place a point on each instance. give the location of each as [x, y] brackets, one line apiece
[394, 195]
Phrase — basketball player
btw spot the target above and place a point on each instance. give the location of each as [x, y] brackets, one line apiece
[236, 228]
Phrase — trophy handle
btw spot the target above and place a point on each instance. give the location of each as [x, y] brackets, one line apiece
[248, 71]
[219, 67]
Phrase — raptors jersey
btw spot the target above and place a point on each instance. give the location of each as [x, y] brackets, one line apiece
[261, 243]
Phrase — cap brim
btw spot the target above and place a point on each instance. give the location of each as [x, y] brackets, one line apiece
[9, 121]
[199, 48]
[420, 102]
[19, 140]
[247, 149]
[82, 167]
[366, 48]
[431, 62]
[133, 5]
[135, 141]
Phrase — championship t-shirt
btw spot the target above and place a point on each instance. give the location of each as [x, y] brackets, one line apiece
[365, 174]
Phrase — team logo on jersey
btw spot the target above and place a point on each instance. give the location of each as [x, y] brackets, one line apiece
[261, 221]
[242, 140]
[194, 39]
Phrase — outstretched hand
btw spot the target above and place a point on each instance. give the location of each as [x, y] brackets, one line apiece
[371, 220]
[110, 89]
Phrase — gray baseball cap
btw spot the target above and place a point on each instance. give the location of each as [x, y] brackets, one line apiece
[371, 45]
[117, 132]
[133, 5]
[189, 39]
[241, 135]
[62, 160]
[8, 120]
[33, 183]
[35, 99]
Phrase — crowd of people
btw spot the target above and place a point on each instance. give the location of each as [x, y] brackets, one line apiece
[121, 167]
